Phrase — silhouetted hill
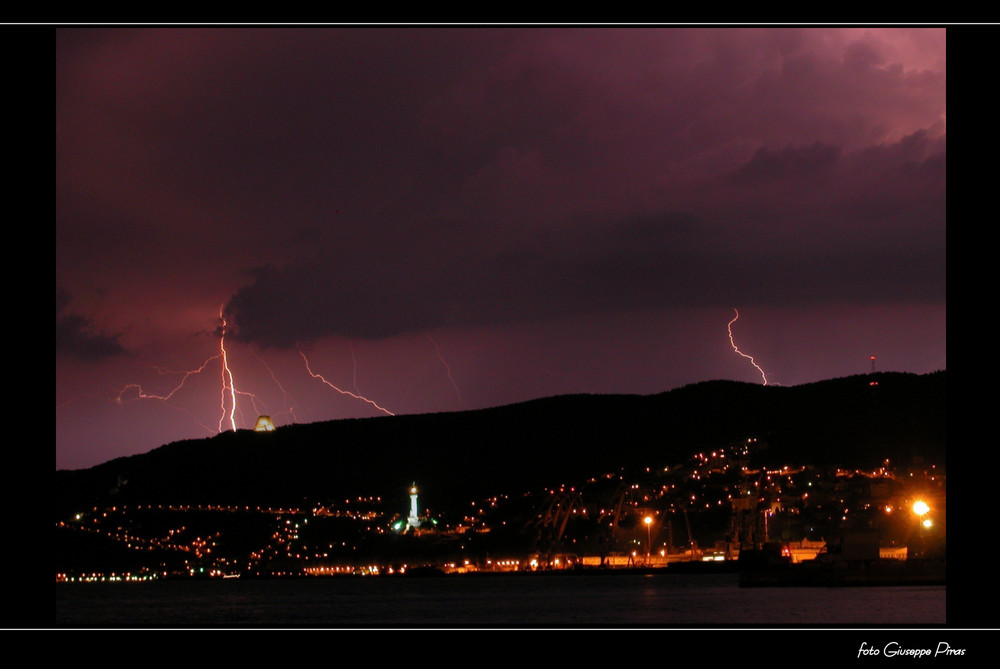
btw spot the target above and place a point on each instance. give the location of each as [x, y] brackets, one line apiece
[457, 457]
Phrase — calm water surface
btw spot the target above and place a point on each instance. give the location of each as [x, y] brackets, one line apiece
[548, 601]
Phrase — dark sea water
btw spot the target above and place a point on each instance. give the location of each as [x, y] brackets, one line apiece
[521, 601]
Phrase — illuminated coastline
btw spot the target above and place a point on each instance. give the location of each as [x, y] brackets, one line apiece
[645, 524]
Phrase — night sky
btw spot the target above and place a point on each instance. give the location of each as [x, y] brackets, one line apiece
[439, 219]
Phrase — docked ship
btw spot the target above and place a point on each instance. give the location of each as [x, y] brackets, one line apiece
[768, 567]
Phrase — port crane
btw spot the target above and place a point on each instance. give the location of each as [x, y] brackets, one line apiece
[550, 522]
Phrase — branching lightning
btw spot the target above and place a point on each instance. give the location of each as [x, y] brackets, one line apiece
[750, 358]
[228, 384]
[228, 401]
[227, 377]
[290, 409]
[354, 362]
[73, 399]
[343, 392]
[447, 370]
[143, 395]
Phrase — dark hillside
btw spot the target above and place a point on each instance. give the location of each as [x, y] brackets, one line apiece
[456, 457]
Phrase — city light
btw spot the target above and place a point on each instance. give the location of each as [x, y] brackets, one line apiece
[649, 523]
[207, 541]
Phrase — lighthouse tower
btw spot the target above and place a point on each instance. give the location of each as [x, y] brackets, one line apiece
[413, 521]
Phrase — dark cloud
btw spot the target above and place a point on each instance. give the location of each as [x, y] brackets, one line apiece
[342, 188]
[804, 163]
[75, 334]
[815, 225]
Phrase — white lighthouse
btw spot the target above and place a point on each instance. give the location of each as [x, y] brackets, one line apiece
[413, 520]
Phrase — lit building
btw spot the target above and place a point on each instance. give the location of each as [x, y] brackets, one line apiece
[264, 424]
[413, 520]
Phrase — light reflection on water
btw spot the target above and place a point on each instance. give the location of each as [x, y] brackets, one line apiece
[534, 601]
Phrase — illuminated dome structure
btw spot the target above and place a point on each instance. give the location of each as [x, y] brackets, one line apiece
[264, 424]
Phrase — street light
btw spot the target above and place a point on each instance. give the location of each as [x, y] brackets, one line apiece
[921, 508]
[649, 540]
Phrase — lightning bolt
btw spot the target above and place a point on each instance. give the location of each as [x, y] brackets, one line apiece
[73, 399]
[342, 392]
[447, 369]
[142, 395]
[285, 394]
[750, 358]
[354, 362]
[227, 377]
[228, 391]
